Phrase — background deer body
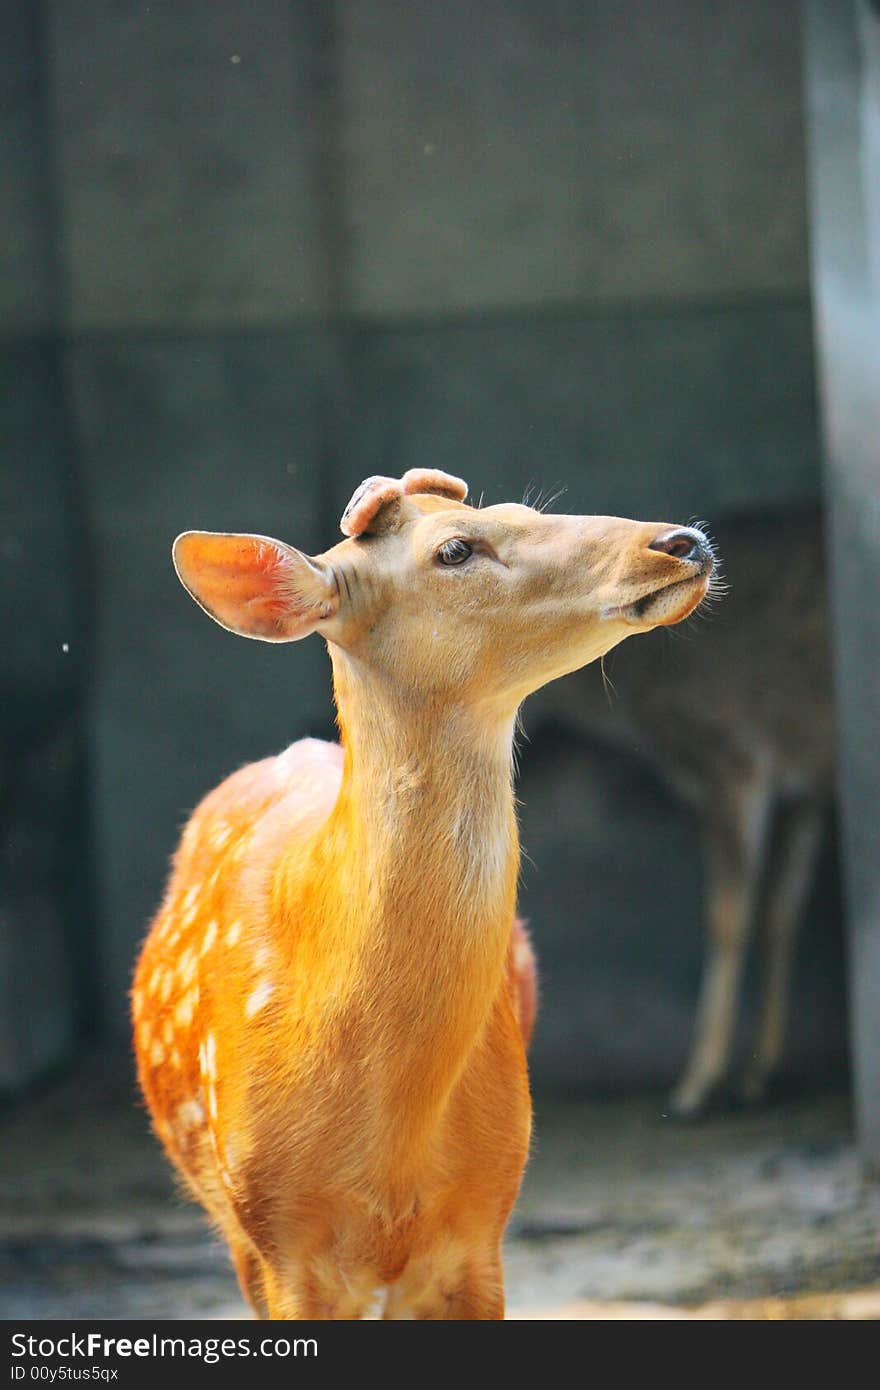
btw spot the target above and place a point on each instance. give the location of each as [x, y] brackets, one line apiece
[740, 720]
[332, 1006]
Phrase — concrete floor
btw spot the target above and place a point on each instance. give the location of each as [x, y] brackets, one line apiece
[623, 1214]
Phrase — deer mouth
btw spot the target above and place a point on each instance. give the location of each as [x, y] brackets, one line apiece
[667, 605]
[670, 604]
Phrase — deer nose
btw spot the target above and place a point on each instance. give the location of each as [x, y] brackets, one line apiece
[684, 543]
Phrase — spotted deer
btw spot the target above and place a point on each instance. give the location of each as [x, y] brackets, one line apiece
[739, 718]
[332, 1005]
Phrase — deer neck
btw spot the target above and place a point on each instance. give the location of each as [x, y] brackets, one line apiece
[424, 839]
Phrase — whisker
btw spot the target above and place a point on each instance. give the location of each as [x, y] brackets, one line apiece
[607, 683]
[544, 504]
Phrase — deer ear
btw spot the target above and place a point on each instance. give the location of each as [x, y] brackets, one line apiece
[255, 586]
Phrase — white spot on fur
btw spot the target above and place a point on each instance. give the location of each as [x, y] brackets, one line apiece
[220, 835]
[155, 977]
[190, 902]
[210, 936]
[259, 999]
[233, 932]
[190, 1114]
[210, 1055]
[186, 966]
[375, 1305]
[157, 1052]
[183, 1014]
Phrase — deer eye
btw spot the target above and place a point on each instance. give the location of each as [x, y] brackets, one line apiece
[454, 552]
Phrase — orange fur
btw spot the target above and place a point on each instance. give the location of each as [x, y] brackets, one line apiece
[332, 1006]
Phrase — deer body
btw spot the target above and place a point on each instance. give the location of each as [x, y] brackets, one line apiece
[332, 1007]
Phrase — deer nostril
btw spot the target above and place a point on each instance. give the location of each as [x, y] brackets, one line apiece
[682, 544]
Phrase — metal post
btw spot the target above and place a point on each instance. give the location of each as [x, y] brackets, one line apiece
[842, 53]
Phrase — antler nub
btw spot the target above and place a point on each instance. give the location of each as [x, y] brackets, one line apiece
[434, 480]
[374, 492]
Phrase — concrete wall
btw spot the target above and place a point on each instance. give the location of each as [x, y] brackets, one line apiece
[45, 910]
[187, 161]
[515, 154]
[547, 244]
[28, 301]
[658, 412]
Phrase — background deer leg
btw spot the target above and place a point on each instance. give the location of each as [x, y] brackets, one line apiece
[791, 873]
[734, 840]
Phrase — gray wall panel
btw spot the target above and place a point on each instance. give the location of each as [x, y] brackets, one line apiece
[660, 415]
[41, 683]
[27, 288]
[520, 152]
[186, 177]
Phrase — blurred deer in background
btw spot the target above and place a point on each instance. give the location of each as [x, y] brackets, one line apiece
[332, 1006]
[739, 717]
